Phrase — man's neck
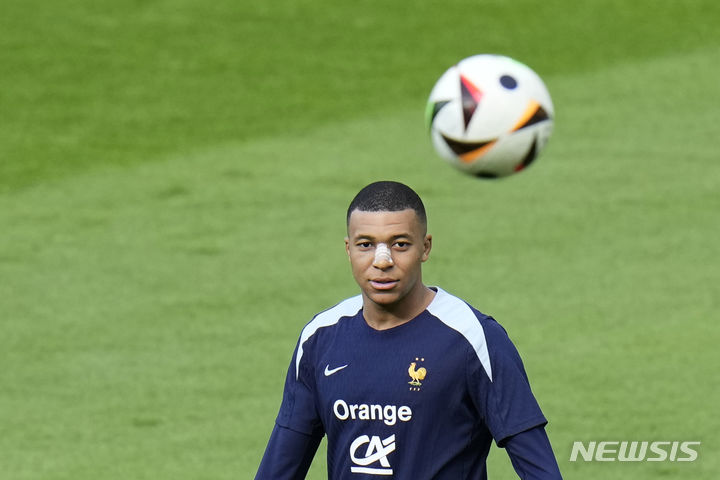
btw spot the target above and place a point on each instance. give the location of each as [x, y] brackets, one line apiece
[384, 317]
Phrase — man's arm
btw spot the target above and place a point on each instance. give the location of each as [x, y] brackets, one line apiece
[532, 456]
[288, 455]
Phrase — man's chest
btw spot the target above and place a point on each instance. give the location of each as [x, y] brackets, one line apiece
[388, 381]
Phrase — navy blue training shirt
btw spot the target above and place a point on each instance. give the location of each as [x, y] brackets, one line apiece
[423, 400]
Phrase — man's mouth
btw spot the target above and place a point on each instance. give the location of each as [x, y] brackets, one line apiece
[383, 283]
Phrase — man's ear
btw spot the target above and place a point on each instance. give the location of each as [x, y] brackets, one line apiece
[347, 247]
[427, 246]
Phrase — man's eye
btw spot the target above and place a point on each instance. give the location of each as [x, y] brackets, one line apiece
[365, 245]
[402, 244]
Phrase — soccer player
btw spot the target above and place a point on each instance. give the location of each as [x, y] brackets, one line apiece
[407, 381]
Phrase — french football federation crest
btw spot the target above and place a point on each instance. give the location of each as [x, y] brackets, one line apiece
[416, 374]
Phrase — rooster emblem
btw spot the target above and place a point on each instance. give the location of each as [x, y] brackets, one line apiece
[416, 374]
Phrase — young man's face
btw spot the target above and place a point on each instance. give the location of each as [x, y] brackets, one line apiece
[387, 280]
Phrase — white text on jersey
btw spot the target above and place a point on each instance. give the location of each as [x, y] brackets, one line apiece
[388, 414]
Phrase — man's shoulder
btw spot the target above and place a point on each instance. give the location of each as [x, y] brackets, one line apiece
[327, 318]
[477, 329]
[447, 306]
[454, 310]
[331, 316]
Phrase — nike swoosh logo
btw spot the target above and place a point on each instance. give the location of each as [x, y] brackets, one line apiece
[329, 371]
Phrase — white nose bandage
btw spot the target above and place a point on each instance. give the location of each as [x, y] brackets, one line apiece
[382, 253]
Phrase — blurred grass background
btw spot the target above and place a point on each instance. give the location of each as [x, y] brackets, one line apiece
[169, 171]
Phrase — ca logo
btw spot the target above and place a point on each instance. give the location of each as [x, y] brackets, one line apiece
[377, 451]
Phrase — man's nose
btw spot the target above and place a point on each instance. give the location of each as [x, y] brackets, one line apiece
[383, 257]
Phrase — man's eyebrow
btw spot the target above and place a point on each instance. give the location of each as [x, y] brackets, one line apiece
[365, 236]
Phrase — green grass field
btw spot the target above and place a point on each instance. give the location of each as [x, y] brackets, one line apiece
[173, 183]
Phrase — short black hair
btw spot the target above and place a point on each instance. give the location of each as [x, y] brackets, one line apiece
[387, 196]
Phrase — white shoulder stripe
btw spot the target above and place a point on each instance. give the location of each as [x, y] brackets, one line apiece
[346, 308]
[457, 315]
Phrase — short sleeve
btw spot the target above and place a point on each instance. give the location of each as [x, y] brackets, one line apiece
[505, 401]
[298, 410]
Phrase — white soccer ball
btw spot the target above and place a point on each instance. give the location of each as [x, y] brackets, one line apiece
[489, 116]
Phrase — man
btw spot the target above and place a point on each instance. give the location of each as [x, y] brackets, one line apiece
[406, 381]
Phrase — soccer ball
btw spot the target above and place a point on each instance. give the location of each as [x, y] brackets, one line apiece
[489, 116]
